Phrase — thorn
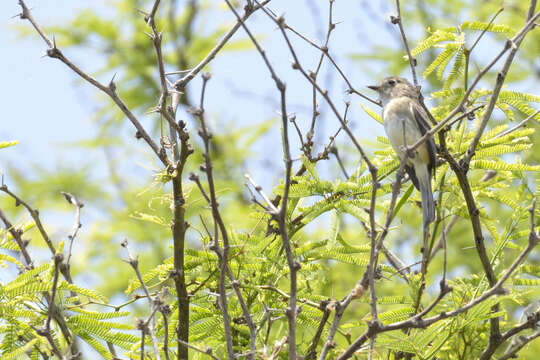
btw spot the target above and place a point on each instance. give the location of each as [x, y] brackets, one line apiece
[142, 12]
[281, 21]
[152, 110]
[112, 85]
[69, 198]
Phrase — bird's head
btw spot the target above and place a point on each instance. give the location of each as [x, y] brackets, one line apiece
[392, 87]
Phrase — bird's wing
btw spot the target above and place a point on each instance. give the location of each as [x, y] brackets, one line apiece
[421, 121]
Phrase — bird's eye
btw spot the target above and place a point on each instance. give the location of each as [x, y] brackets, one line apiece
[392, 82]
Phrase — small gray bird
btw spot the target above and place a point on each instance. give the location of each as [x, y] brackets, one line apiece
[405, 122]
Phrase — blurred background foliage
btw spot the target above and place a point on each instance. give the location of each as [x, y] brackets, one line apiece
[127, 200]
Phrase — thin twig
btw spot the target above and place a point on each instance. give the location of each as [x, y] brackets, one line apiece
[467, 52]
[270, 204]
[522, 341]
[58, 258]
[77, 224]
[412, 61]
[208, 351]
[314, 74]
[165, 310]
[287, 296]
[34, 213]
[294, 266]
[134, 262]
[16, 233]
[485, 29]
[223, 254]
[514, 128]
[311, 353]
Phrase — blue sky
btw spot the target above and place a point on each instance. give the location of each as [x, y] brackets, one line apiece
[39, 97]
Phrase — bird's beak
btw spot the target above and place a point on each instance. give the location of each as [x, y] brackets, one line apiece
[374, 87]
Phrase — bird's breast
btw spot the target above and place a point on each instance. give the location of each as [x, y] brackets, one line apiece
[399, 125]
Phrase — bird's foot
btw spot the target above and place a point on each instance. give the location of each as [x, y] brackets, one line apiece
[409, 153]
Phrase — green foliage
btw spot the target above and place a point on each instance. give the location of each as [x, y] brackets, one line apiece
[326, 220]
[482, 26]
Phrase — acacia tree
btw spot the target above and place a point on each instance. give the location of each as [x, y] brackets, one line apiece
[234, 277]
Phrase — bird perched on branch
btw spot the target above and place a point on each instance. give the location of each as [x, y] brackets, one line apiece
[405, 122]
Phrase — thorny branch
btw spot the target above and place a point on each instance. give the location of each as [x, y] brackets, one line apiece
[76, 226]
[34, 213]
[281, 217]
[412, 61]
[148, 325]
[16, 233]
[179, 156]
[368, 279]
[222, 253]
[310, 135]
[325, 51]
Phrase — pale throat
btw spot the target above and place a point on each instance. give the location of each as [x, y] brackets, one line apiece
[385, 99]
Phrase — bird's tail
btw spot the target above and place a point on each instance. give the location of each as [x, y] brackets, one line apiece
[428, 205]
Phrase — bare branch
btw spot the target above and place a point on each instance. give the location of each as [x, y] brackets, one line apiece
[148, 324]
[520, 344]
[29, 264]
[514, 128]
[294, 266]
[223, 254]
[77, 224]
[412, 61]
[207, 351]
[257, 188]
[34, 213]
